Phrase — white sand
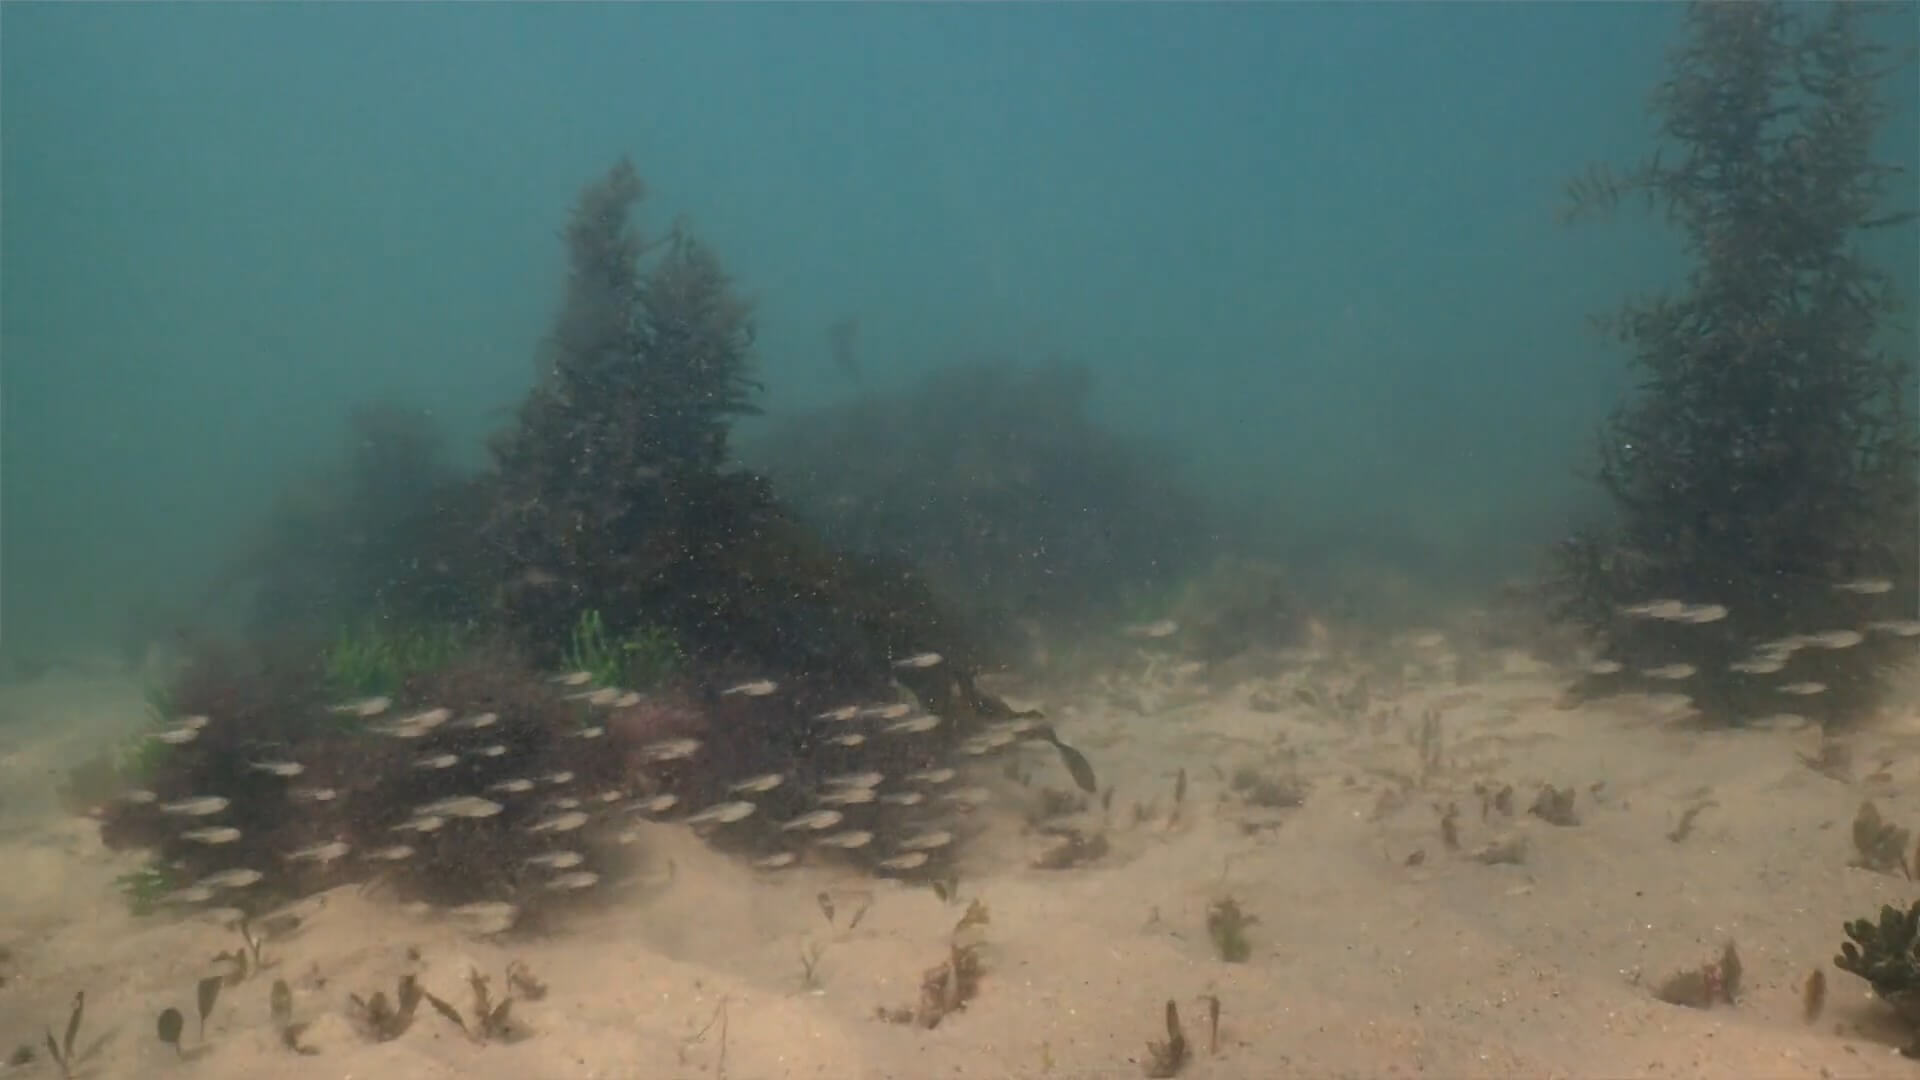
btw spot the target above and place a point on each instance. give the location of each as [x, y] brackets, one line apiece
[1362, 966]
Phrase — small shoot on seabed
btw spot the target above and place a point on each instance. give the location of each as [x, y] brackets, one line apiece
[380, 1018]
[1166, 1059]
[280, 1007]
[810, 955]
[245, 961]
[492, 1020]
[62, 1051]
[205, 994]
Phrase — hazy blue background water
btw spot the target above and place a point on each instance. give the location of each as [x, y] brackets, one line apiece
[1313, 246]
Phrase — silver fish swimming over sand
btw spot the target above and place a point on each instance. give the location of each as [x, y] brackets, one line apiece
[912, 860]
[849, 739]
[199, 806]
[814, 820]
[438, 761]
[475, 723]
[392, 853]
[839, 715]
[1866, 586]
[1804, 689]
[278, 768]
[930, 840]
[574, 678]
[670, 750]
[237, 878]
[176, 736]
[758, 785]
[779, 860]
[847, 796]
[724, 813]
[857, 779]
[913, 725]
[755, 688]
[512, 787]
[564, 822]
[218, 834]
[578, 879]
[1159, 628]
[851, 839]
[887, 712]
[321, 853]
[1671, 671]
[365, 708]
[919, 660]
[557, 860]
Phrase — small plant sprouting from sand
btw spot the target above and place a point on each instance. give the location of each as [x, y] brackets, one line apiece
[1165, 1059]
[1227, 926]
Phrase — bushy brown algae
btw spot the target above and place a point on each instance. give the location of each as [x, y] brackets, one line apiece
[62, 1052]
[1709, 984]
[384, 1020]
[1887, 955]
[1555, 806]
[948, 986]
[1227, 927]
[1878, 844]
[490, 1020]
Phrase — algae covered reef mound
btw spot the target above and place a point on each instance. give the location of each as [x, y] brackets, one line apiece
[473, 687]
[1762, 556]
[998, 483]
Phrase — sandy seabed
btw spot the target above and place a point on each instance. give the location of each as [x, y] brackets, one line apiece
[1378, 951]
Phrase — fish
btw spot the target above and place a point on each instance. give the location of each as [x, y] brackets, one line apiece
[887, 712]
[1759, 665]
[195, 722]
[658, 804]
[460, 806]
[475, 723]
[218, 834]
[140, 797]
[914, 725]
[427, 824]
[912, 860]
[578, 879]
[192, 894]
[495, 750]
[926, 841]
[628, 700]
[779, 860]
[814, 821]
[903, 798]
[512, 787]
[321, 853]
[177, 736]
[1897, 627]
[1836, 639]
[757, 785]
[1702, 613]
[565, 802]
[1866, 586]
[857, 779]
[593, 731]
[725, 813]
[972, 796]
[670, 750]
[850, 739]
[1655, 609]
[557, 860]
[238, 877]
[929, 776]
[852, 838]
[393, 853]
[198, 806]
[755, 688]
[847, 796]
[1804, 689]
[365, 708]
[574, 678]
[604, 696]
[1159, 628]
[1671, 671]
[919, 660]
[428, 718]
[841, 714]
[278, 768]
[561, 777]
[438, 761]
[563, 822]
[487, 916]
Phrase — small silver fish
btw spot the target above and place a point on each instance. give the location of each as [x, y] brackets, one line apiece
[847, 796]
[857, 779]
[578, 879]
[438, 761]
[1702, 613]
[725, 813]
[192, 894]
[756, 688]
[1866, 586]
[557, 860]
[850, 739]
[919, 660]
[1897, 627]
[913, 725]
[177, 736]
[195, 722]
[930, 840]
[1762, 665]
[565, 802]
[1604, 667]
[1159, 628]
[487, 916]
[887, 712]
[237, 878]
[757, 785]
[467, 806]
[278, 768]
[365, 708]
[670, 750]
[628, 700]
[557, 778]
[427, 719]
[814, 820]
[1670, 671]
[218, 834]
[779, 860]
[931, 776]
[658, 804]
[512, 787]
[1655, 609]
[841, 714]
[200, 806]
[574, 678]
[564, 822]
[912, 860]
[594, 731]
[394, 853]
[425, 824]
[1804, 689]
[852, 838]
[475, 723]
[495, 750]
[1836, 639]
[903, 798]
[321, 853]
